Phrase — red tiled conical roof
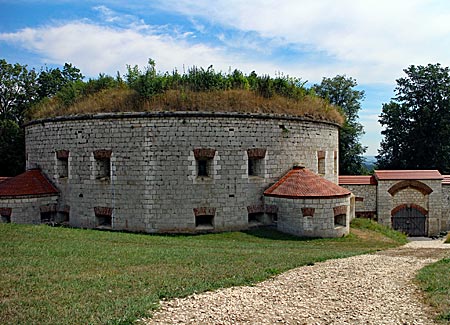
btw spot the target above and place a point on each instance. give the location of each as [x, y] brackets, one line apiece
[303, 183]
[30, 183]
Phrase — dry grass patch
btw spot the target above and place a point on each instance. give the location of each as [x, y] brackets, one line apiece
[244, 101]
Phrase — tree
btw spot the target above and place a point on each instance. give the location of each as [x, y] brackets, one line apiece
[340, 92]
[417, 121]
[12, 144]
[50, 81]
[18, 90]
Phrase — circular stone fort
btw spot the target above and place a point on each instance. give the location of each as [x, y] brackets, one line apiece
[184, 172]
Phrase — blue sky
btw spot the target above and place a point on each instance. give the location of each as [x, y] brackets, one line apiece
[371, 41]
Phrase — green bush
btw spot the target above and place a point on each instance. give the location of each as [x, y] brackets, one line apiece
[12, 148]
[71, 92]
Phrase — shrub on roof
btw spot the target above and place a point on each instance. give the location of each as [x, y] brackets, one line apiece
[198, 89]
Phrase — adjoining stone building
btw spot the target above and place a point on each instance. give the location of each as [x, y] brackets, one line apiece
[181, 171]
[413, 201]
[29, 198]
[309, 205]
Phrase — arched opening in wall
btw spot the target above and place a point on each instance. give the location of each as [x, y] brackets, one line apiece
[416, 185]
[410, 219]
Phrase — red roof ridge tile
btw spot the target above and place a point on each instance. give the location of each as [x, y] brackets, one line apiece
[357, 180]
[407, 174]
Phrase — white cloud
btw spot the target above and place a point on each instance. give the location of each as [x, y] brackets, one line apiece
[372, 40]
[96, 49]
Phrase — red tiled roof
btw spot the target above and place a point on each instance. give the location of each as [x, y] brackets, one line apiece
[3, 179]
[303, 183]
[446, 180]
[407, 174]
[30, 183]
[357, 180]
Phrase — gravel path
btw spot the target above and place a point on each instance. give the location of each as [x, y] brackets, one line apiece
[365, 289]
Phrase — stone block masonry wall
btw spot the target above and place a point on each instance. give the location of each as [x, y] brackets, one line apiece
[27, 209]
[365, 197]
[410, 195]
[154, 184]
[445, 221]
[312, 217]
[432, 202]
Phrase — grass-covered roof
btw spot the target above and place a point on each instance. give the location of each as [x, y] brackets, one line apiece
[196, 90]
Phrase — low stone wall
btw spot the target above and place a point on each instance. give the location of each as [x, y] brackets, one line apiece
[313, 217]
[27, 210]
[445, 221]
[365, 199]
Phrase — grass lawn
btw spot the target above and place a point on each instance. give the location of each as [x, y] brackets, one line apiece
[434, 279]
[59, 275]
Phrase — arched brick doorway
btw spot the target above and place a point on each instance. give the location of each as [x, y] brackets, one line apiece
[410, 219]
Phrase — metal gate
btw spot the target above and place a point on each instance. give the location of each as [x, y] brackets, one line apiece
[410, 221]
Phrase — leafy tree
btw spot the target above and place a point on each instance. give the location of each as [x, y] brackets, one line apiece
[12, 144]
[18, 90]
[417, 121]
[340, 92]
[50, 81]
